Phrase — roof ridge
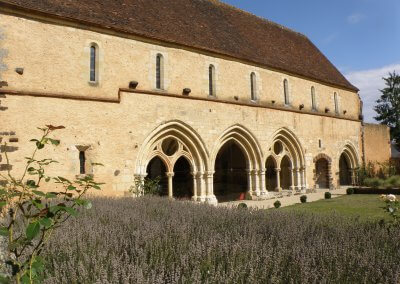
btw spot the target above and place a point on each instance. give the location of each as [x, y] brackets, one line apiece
[220, 2]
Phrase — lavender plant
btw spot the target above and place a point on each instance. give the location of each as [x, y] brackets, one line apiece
[155, 240]
[29, 215]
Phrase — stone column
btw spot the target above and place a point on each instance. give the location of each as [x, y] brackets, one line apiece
[303, 179]
[201, 177]
[292, 186]
[353, 177]
[249, 182]
[170, 189]
[262, 180]
[256, 182]
[195, 183]
[298, 177]
[210, 199]
[278, 180]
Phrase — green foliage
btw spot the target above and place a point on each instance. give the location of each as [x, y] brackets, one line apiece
[388, 106]
[350, 191]
[328, 195]
[303, 198]
[242, 206]
[392, 182]
[277, 204]
[29, 215]
[374, 182]
[146, 186]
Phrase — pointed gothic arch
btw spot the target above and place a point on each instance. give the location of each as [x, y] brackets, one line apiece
[284, 143]
[348, 164]
[249, 146]
[171, 141]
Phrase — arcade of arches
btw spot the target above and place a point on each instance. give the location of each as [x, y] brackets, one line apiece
[237, 169]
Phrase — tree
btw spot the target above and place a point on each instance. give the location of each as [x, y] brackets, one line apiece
[388, 106]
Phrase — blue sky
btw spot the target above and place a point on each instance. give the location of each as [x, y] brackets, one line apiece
[360, 37]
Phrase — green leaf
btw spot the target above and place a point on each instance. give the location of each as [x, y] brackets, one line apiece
[39, 145]
[54, 142]
[32, 230]
[31, 183]
[51, 195]
[71, 211]
[71, 187]
[39, 193]
[38, 204]
[46, 222]
[2, 204]
[3, 231]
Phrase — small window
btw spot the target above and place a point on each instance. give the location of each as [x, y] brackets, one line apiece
[286, 91]
[159, 72]
[313, 101]
[82, 162]
[320, 143]
[253, 86]
[335, 97]
[93, 63]
[211, 80]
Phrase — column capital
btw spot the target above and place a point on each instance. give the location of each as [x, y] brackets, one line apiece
[170, 174]
[277, 170]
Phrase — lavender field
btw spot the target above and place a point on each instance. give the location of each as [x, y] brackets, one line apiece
[154, 240]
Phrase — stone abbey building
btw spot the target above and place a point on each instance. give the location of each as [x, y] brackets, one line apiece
[214, 100]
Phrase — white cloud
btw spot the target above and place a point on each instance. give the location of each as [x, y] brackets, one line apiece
[370, 82]
[355, 18]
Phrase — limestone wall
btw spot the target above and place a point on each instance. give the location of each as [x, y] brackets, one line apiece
[377, 143]
[55, 59]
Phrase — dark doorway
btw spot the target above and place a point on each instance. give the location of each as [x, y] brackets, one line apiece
[156, 168]
[285, 174]
[344, 171]
[183, 179]
[270, 174]
[230, 178]
[322, 173]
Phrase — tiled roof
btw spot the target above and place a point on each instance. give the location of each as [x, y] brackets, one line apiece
[202, 24]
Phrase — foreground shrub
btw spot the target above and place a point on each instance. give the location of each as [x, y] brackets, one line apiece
[29, 216]
[374, 182]
[350, 191]
[154, 240]
[328, 195]
[277, 204]
[303, 198]
[242, 206]
[392, 182]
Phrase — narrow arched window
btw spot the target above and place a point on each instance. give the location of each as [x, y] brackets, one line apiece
[313, 100]
[159, 72]
[253, 86]
[93, 63]
[82, 162]
[336, 100]
[286, 91]
[211, 80]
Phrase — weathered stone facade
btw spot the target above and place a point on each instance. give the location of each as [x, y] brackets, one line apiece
[124, 129]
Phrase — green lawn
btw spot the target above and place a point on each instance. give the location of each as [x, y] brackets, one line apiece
[366, 206]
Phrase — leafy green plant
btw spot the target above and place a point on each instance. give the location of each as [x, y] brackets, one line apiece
[350, 191]
[29, 215]
[303, 198]
[277, 204]
[392, 182]
[146, 186]
[242, 206]
[328, 195]
[374, 182]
